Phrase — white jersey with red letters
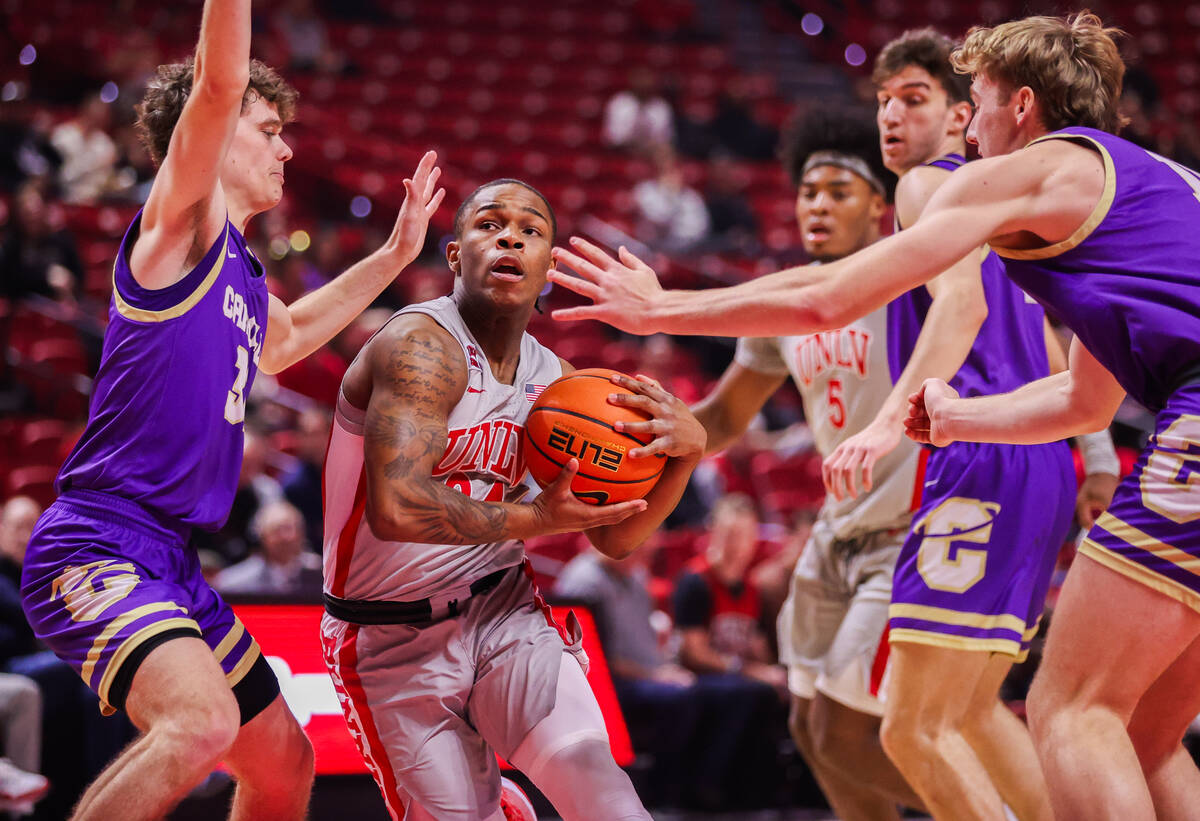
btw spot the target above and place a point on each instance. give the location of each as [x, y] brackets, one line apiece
[483, 458]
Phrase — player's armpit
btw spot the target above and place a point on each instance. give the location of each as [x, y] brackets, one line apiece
[740, 394]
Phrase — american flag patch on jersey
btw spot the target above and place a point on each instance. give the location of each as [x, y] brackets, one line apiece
[532, 391]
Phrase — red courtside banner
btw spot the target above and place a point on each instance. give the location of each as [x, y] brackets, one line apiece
[289, 635]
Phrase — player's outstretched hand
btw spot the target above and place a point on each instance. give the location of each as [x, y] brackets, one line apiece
[622, 290]
[677, 433]
[421, 199]
[926, 411]
[856, 455]
[561, 512]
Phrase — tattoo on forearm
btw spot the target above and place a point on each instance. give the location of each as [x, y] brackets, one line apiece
[410, 439]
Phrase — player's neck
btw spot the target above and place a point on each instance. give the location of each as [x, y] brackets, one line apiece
[950, 144]
[498, 333]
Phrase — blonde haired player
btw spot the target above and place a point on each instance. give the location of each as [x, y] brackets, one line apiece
[1104, 234]
[439, 645]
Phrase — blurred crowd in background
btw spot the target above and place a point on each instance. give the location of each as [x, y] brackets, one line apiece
[650, 123]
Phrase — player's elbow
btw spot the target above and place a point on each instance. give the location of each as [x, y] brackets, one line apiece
[612, 544]
[386, 524]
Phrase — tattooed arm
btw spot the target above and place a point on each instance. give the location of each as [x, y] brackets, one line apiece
[417, 375]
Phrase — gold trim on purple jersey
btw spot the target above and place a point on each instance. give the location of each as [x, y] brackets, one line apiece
[239, 671]
[142, 315]
[115, 626]
[1090, 224]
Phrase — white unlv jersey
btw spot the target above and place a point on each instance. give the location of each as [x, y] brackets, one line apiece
[843, 379]
[483, 458]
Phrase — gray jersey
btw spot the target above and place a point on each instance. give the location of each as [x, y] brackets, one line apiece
[483, 459]
[843, 379]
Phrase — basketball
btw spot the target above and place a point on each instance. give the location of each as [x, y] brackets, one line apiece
[573, 418]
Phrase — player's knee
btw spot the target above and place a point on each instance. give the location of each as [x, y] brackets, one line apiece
[800, 728]
[837, 743]
[202, 733]
[904, 738]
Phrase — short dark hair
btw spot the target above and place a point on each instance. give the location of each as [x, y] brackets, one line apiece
[928, 49]
[163, 102]
[461, 213]
[848, 131]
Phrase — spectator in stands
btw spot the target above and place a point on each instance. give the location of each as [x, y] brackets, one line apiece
[657, 697]
[20, 743]
[302, 484]
[89, 153]
[36, 258]
[306, 37]
[733, 226]
[77, 741]
[255, 490]
[724, 642]
[639, 119]
[736, 128]
[283, 564]
[671, 216]
[25, 149]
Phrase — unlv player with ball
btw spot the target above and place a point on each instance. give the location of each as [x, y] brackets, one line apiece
[440, 648]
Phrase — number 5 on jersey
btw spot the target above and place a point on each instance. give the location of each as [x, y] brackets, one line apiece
[235, 401]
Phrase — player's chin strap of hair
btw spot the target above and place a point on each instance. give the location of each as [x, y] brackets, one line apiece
[847, 161]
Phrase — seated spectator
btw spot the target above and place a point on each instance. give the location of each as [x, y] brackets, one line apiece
[75, 741]
[89, 153]
[671, 216]
[733, 226]
[26, 152]
[724, 642]
[656, 696]
[282, 564]
[638, 119]
[302, 484]
[35, 257]
[20, 743]
[736, 128]
[255, 490]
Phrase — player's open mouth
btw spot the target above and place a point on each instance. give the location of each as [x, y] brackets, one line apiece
[508, 269]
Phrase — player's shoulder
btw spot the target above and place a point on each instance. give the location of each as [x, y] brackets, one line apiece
[409, 334]
[915, 189]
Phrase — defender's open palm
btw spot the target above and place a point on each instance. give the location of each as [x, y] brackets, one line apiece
[677, 433]
[561, 512]
[622, 290]
[860, 452]
[421, 199]
[926, 413]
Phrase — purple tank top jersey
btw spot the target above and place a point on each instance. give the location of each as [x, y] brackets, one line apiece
[165, 424]
[1128, 281]
[1010, 348]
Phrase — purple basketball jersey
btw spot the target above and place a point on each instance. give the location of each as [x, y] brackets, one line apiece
[1010, 348]
[165, 424]
[1128, 281]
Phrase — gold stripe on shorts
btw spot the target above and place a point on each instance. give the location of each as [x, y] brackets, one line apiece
[1007, 647]
[959, 618]
[231, 639]
[242, 667]
[130, 644]
[1144, 541]
[116, 625]
[1140, 573]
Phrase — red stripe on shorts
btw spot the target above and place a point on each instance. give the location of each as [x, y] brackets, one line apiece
[879, 667]
[541, 603]
[345, 543]
[919, 484]
[358, 715]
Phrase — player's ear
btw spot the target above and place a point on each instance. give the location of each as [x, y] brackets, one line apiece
[960, 116]
[878, 207]
[1024, 100]
[453, 257]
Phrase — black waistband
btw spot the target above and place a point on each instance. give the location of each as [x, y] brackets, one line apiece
[359, 611]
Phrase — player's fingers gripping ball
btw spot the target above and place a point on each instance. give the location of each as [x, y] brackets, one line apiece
[574, 419]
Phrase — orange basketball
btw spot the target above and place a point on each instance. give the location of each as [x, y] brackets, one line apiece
[573, 418]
